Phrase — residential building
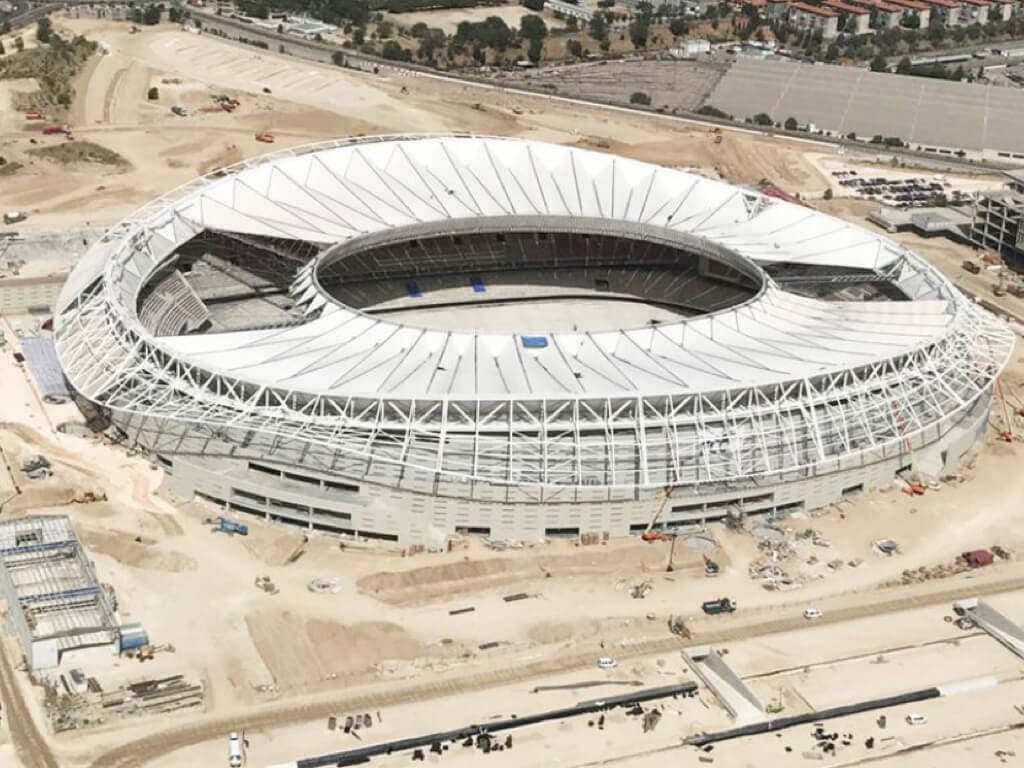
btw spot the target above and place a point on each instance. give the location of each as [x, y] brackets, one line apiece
[945, 11]
[853, 19]
[974, 11]
[917, 14]
[806, 16]
[884, 15]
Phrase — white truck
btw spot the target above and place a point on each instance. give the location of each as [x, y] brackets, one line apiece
[235, 756]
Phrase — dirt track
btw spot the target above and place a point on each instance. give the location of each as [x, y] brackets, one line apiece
[140, 751]
[29, 743]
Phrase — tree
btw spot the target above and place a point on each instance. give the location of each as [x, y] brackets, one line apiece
[153, 93]
[574, 48]
[791, 124]
[19, 44]
[879, 64]
[532, 27]
[640, 27]
[2, 51]
[639, 97]
[384, 30]
[533, 5]
[395, 52]
[338, 58]
[151, 15]
[535, 50]
[763, 118]
[599, 27]
[679, 26]
[359, 35]
[44, 30]
[904, 67]
[828, 194]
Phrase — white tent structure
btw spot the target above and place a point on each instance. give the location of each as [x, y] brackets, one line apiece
[777, 389]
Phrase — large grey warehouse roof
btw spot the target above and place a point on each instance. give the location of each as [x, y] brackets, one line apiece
[921, 111]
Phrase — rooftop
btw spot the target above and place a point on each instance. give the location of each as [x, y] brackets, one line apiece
[814, 10]
[839, 5]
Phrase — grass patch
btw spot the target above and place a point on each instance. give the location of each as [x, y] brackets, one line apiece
[72, 152]
[53, 66]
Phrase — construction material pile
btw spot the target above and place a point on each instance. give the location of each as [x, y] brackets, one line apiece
[69, 709]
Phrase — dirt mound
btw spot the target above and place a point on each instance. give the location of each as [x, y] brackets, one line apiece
[298, 654]
[450, 579]
[136, 551]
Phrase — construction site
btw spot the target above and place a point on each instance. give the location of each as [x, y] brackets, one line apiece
[143, 628]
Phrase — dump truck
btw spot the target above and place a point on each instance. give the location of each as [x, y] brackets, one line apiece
[721, 605]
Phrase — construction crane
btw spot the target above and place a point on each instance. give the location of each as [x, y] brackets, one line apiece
[914, 486]
[649, 533]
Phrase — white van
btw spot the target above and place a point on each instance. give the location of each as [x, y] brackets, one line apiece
[916, 719]
[234, 751]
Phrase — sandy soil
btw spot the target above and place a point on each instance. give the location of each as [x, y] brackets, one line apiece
[269, 653]
[308, 102]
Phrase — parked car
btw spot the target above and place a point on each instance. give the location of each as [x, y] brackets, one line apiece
[812, 613]
[916, 719]
[607, 662]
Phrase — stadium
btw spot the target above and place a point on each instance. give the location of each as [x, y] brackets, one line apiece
[405, 337]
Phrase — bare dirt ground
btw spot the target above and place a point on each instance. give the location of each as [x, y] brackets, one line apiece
[309, 102]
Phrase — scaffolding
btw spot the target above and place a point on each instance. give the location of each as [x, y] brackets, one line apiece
[55, 602]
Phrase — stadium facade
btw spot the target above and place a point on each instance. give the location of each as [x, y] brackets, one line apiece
[247, 332]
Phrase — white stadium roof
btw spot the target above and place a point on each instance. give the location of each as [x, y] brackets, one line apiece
[347, 190]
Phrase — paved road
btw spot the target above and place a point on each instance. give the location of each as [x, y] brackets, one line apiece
[141, 751]
[24, 14]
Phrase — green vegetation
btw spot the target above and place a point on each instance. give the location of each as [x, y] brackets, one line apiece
[762, 118]
[54, 66]
[71, 152]
[639, 97]
[711, 111]
[395, 52]
[44, 30]
[533, 5]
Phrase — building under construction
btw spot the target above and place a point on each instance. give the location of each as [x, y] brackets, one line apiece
[998, 223]
[54, 601]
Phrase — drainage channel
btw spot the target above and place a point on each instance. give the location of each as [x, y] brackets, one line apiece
[363, 754]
